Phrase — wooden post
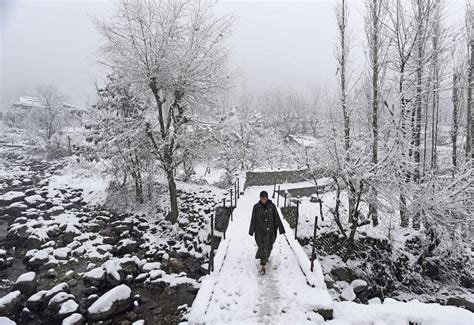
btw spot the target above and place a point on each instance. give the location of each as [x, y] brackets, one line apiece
[313, 251]
[231, 197]
[274, 187]
[278, 196]
[297, 217]
[238, 188]
[223, 202]
[231, 210]
[211, 256]
[285, 201]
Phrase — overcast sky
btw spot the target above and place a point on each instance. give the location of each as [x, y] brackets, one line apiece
[275, 43]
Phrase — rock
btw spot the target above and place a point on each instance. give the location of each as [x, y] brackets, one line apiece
[34, 200]
[62, 287]
[15, 209]
[348, 294]
[359, 285]
[114, 301]
[343, 273]
[374, 301]
[51, 274]
[461, 302]
[32, 242]
[55, 211]
[328, 281]
[95, 276]
[36, 301]
[26, 283]
[11, 197]
[30, 192]
[37, 258]
[127, 246]
[74, 319]
[72, 283]
[11, 303]
[68, 308]
[57, 300]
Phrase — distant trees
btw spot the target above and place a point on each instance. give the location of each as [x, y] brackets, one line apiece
[175, 51]
[50, 116]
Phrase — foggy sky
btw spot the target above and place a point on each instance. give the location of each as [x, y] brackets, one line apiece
[275, 43]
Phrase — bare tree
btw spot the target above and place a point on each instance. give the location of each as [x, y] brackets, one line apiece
[342, 53]
[375, 14]
[175, 50]
[470, 47]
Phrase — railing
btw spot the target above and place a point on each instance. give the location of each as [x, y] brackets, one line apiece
[296, 221]
[234, 193]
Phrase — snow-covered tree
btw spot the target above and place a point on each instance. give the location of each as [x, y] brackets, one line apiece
[175, 51]
[121, 125]
[50, 116]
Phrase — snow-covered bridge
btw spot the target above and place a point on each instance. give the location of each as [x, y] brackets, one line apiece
[236, 292]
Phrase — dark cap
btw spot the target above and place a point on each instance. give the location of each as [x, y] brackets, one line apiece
[264, 194]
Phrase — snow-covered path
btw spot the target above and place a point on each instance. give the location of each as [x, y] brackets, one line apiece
[235, 292]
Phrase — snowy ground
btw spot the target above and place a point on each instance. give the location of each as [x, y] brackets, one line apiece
[236, 293]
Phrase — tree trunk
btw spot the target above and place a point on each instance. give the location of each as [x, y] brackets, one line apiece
[343, 77]
[403, 117]
[375, 100]
[165, 152]
[469, 128]
[173, 195]
[454, 131]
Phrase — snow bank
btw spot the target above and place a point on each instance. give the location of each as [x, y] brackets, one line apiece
[395, 312]
[315, 278]
[86, 176]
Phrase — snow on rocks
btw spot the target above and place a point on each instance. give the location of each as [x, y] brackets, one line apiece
[15, 209]
[34, 200]
[6, 321]
[112, 302]
[74, 319]
[26, 283]
[10, 303]
[11, 197]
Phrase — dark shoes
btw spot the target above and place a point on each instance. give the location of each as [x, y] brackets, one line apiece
[262, 271]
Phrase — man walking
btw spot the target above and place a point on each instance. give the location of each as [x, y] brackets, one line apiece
[264, 224]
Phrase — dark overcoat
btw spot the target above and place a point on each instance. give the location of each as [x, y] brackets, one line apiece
[264, 224]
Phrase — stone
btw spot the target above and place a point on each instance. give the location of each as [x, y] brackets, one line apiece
[15, 209]
[56, 301]
[11, 197]
[461, 302]
[114, 301]
[37, 301]
[34, 200]
[343, 273]
[74, 319]
[11, 303]
[359, 286]
[26, 283]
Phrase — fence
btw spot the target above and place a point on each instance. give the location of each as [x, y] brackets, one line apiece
[292, 213]
[220, 218]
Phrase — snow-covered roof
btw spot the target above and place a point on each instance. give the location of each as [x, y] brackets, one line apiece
[305, 140]
[29, 101]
